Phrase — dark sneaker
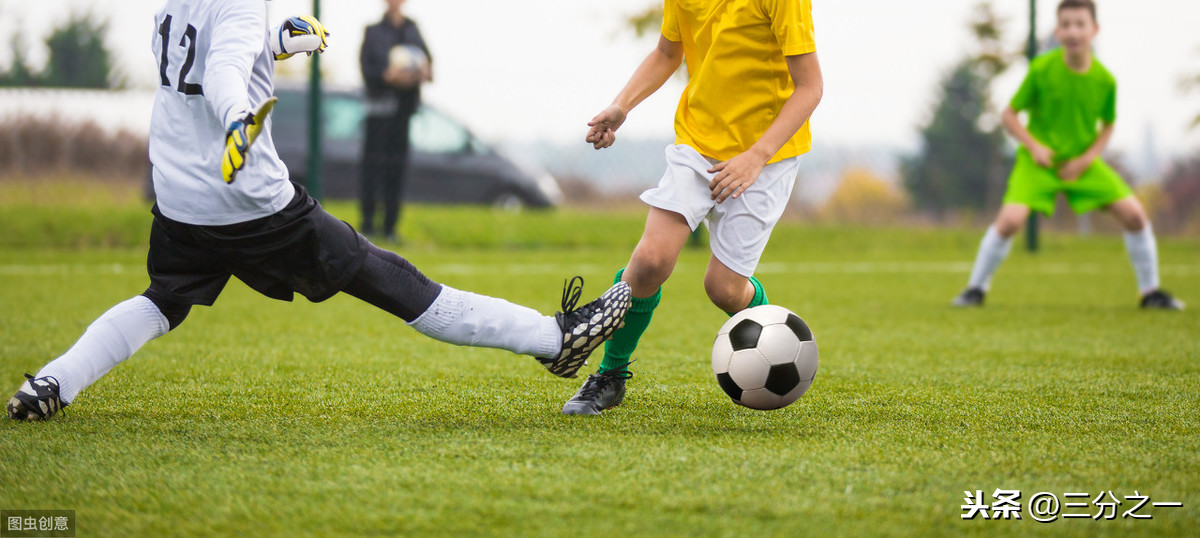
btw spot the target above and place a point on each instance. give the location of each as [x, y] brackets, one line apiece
[602, 390]
[586, 327]
[37, 399]
[969, 297]
[1161, 300]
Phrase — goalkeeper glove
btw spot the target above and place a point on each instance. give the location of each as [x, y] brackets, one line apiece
[298, 34]
[240, 135]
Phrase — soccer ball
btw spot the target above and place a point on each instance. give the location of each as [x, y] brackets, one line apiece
[764, 357]
[407, 57]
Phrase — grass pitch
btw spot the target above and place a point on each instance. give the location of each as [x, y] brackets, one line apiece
[259, 417]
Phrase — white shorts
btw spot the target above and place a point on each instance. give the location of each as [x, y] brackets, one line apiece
[739, 227]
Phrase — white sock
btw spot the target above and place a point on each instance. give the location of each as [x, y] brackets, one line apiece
[469, 319]
[1143, 253]
[992, 251]
[108, 341]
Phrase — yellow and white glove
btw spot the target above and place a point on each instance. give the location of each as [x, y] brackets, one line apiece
[298, 34]
[240, 136]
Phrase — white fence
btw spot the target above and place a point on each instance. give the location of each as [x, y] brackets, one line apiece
[111, 109]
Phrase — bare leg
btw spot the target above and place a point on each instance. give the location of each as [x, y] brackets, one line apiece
[726, 289]
[656, 253]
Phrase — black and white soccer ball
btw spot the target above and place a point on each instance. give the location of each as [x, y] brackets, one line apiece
[765, 357]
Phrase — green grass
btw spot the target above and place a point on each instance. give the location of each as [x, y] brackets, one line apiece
[260, 417]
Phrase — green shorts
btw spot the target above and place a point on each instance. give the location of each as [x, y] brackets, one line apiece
[1036, 187]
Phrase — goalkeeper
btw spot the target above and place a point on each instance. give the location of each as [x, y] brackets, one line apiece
[224, 207]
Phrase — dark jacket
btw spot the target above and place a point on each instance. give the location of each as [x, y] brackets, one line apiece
[377, 43]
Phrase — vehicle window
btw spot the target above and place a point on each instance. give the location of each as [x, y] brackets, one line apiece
[290, 112]
[434, 132]
[343, 118]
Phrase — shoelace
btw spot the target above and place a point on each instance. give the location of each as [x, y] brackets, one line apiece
[571, 293]
[597, 382]
[38, 388]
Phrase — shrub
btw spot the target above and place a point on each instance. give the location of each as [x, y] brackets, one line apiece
[36, 146]
[863, 198]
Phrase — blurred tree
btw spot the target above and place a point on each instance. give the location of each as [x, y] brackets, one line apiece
[961, 164]
[19, 73]
[963, 157]
[648, 21]
[78, 58]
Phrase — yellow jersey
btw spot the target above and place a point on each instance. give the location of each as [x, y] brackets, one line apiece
[737, 77]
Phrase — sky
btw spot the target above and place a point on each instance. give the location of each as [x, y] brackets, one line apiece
[538, 70]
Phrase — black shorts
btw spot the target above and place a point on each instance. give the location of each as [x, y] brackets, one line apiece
[300, 249]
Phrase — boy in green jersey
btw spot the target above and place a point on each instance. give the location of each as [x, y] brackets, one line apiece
[1072, 104]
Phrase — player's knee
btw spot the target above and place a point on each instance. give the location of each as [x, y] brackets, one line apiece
[1007, 227]
[174, 310]
[1136, 221]
[649, 269]
[729, 295]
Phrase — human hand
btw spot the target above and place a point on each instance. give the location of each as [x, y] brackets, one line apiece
[1042, 155]
[298, 34]
[240, 136]
[401, 77]
[735, 175]
[1072, 169]
[602, 131]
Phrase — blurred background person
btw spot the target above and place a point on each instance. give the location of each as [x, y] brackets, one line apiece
[395, 62]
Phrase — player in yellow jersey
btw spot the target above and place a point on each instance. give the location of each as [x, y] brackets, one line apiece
[1072, 104]
[741, 126]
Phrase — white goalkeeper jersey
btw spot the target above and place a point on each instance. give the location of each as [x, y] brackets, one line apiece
[214, 66]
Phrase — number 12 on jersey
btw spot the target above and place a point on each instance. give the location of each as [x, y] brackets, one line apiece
[188, 40]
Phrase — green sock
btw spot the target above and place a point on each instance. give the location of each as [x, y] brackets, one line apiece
[618, 349]
[760, 295]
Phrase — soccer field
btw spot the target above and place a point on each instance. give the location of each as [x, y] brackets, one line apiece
[259, 417]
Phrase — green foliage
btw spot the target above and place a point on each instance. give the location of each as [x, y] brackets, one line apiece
[648, 21]
[19, 73]
[78, 58]
[265, 418]
[960, 163]
[963, 160]
[992, 57]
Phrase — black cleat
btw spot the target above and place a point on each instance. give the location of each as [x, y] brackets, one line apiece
[969, 297]
[602, 390]
[586, 327]
[1160, 299]
[37, 399]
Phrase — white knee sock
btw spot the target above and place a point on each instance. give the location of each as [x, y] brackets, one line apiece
[1143, 253]
[992, 251]
[469, 319]
[112, 338]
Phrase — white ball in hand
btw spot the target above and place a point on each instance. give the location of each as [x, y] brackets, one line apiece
[407, 58]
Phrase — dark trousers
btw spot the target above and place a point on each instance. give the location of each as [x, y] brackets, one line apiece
[384, 171]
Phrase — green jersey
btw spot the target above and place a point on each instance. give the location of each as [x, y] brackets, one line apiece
[1066, 107]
